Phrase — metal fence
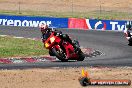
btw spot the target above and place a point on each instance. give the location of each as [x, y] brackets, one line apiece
[69, 8]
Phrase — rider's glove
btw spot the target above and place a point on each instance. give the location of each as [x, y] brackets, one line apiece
[58, 34]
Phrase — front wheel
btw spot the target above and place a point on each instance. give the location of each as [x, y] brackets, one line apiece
[59, 54]
[51, 53]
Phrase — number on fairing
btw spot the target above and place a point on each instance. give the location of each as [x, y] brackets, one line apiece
[52, 39]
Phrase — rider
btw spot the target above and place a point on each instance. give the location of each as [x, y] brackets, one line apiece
[46, 31]
[129, 26]
[128, 29]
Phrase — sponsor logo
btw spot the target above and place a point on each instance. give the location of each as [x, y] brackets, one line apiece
[103, 25]
[98, 25]
[85, 80]
[106, 24]
[116, 25]
[25, 23]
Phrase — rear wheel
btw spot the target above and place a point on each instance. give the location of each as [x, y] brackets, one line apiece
[81, 56]
[130, 42]
[59, 54]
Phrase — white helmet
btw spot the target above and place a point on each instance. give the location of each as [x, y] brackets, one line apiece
[43, 26]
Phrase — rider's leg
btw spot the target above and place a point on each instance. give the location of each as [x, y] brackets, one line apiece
[66, 37]
[43, 38]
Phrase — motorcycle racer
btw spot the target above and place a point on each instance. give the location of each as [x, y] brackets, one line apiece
[128, 32]
[128, 28]
[46, 31]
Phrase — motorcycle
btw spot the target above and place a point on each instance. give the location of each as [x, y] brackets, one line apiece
[62, 49]
[129, 37]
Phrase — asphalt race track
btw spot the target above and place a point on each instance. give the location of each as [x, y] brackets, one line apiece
[113, 45]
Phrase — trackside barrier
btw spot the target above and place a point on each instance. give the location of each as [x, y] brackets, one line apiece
[87, 24]
[74, 23]
[33, 21]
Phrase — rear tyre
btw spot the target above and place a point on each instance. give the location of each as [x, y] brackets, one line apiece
[59, 54]
[81, 56]
[130, 42]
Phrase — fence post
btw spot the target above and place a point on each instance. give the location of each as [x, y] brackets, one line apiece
[19, 7]
[72, 8]
[100, 7]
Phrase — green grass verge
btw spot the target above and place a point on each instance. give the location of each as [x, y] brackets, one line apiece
[95, 14]
[13, 47]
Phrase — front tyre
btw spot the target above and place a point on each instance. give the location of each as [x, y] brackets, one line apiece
[59, 54]
[51, 53]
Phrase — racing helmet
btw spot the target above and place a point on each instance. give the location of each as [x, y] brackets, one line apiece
[43, 26]
[128, 25]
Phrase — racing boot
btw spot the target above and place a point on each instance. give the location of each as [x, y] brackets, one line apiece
[74, 43]
[76, 46]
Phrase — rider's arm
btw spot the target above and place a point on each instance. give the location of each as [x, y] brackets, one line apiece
[53, 30]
